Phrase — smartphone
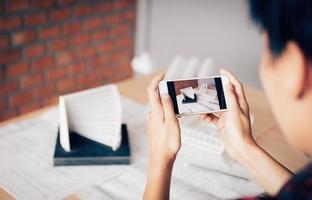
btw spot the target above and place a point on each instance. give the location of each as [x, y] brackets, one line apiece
[196, 95]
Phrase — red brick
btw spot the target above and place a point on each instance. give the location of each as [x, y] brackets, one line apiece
[65, 58]
[85, 80]
[72, 28]
[30, 107]
[3, 105]
[83, 10]
[17, 69]
[60, 14]
[44, 91]
[66, 85]
[102, 34]
[56, 74]
[35, 19]
[80, 39]
[104, 7]
[105, 72]
[124, 71]
[34, 50]
[124, 43]
[95, 83]
[50, 101]
[9, 87]
[59, 44]
[21, 99]
[120, 29]
[105, 47]
[1, 8]
[17, 5]
[124, 68]
[43, 63]
[76, 68]
[93, 23]
[113, 19]
[9, 55]
[23, 37]
[122, 57]
[43, 3]
[121, 4]
[100, 62]
[49, 32]
[4, 42]
[8, 23]
[2, 73]
[31, 80]
[7, 115]
[88, 52]
[65, 2]
[119, 56]
[129, 16]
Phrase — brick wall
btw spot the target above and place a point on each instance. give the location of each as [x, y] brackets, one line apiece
[178, 85]
[52, 47]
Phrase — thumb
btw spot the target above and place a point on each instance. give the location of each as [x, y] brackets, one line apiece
[168, 108]
[231, 96]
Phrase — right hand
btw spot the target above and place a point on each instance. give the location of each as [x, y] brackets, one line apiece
[234, 124]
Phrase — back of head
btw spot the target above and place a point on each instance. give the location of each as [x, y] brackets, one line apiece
[284, 21]
[286, 67]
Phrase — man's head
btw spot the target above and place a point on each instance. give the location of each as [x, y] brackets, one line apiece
[286, 65]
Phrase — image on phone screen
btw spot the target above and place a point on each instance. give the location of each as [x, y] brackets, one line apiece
[204, 95]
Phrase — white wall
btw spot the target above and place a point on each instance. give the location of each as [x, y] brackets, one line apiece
[220, 29]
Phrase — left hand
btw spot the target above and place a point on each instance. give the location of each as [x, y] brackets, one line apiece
[163, 128]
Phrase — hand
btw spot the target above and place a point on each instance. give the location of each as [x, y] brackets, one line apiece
[234, 124]
[162, 127]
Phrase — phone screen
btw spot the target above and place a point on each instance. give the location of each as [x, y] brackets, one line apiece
[204, 95]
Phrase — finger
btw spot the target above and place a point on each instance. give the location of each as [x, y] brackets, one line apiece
[202, 116]
[148, 123]
[219, 113]
[168, 108]
[231, 98]
[231, 94]
[216, 114]
[239, 90]
[210, 118]
[153, 94]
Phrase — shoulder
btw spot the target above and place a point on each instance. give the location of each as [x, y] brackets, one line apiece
[299, 186]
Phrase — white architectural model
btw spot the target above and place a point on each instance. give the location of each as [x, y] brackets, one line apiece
[93, 113]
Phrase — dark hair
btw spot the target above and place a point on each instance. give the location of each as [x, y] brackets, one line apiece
[285, 21]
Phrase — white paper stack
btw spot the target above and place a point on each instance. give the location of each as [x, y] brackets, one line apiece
[94, 114]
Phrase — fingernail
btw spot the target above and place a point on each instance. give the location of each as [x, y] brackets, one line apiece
[161, 74]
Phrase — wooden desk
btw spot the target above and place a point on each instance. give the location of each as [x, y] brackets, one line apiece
[265, 129]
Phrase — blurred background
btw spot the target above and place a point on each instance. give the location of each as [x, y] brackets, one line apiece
[219, 29]
[53, 47]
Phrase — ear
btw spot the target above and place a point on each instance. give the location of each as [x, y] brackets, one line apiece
[295, 70]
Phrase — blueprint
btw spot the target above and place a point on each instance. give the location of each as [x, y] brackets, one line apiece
[27, 172]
